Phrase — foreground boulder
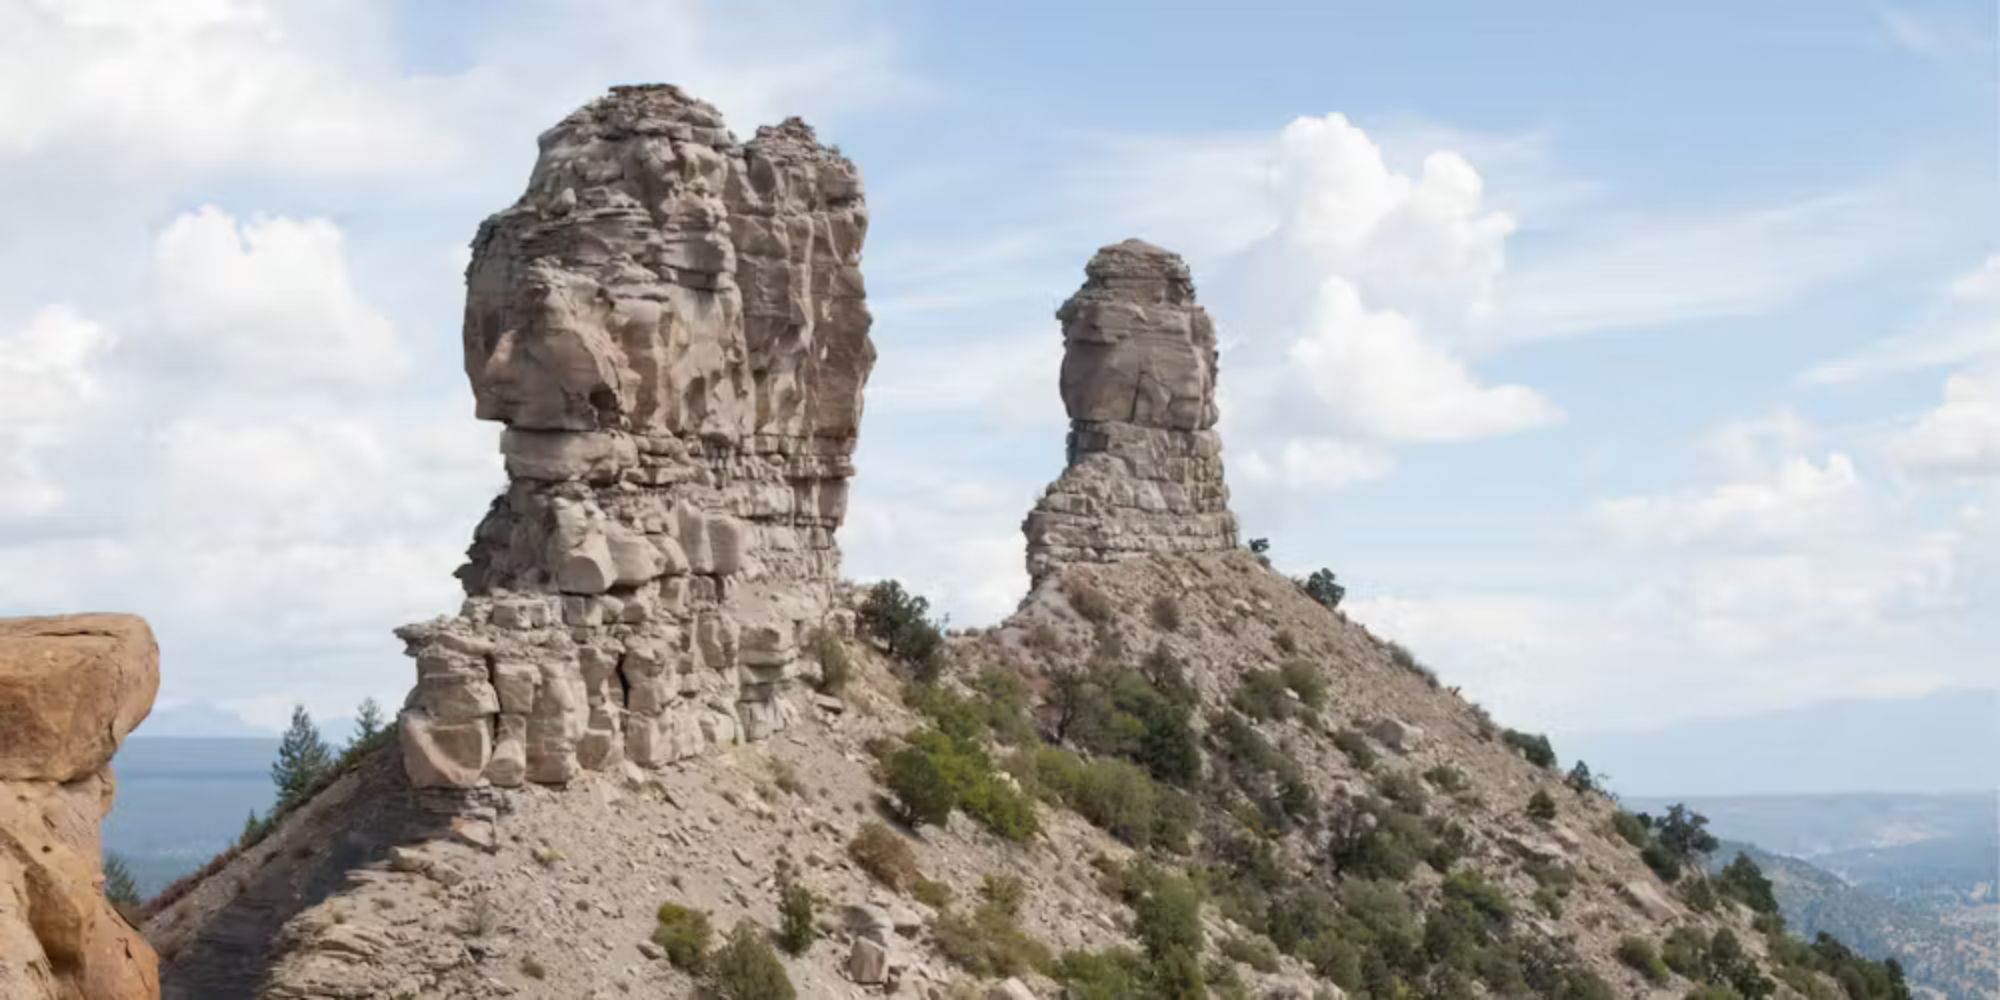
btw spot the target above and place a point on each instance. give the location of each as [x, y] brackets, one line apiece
[1144, 471]
[71, 688]
[671, 326]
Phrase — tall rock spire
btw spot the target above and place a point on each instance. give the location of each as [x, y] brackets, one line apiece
[671, 326]
[1144, 468]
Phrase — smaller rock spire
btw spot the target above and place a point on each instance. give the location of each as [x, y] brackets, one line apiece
[1138, 380]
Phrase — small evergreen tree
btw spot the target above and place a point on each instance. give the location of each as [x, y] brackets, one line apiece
[367, 721]
[1683, 834]
[303, 759]
[119, 888]
[1322, 587]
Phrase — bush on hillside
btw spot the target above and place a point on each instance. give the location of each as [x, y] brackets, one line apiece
[1092, 604]
[1165, 611]
[1541, 808]
[1744, 882]
[884, 855]
[796, 908]
[1639, 955]
[1324, 588]
[836, 665]
[1304, 679]
[684, 935]
[1263, 695]
[988, 942]
[1533, 746]
[747, 968]
[901, 621]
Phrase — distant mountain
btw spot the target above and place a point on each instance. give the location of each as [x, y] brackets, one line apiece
[1906, 876]
[1947, 742]
[1812, 826]
[1951, 951]
[197, 720]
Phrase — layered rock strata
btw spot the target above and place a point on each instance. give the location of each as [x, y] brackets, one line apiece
[71, 688]
[1144, 468]
[672, 328]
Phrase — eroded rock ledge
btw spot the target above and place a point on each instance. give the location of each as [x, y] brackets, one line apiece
[71, 688]
[672, 327]
[1138, 379]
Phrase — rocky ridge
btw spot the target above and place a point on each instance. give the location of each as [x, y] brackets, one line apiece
[671, 326]
[71, 688]
[1144, 469]
[1300, 741]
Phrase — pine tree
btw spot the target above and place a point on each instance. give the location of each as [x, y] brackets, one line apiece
[119, 888]
[367, 721]
[303, 758]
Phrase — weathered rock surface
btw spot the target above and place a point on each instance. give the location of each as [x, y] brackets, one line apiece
[671, 325]
[1138, 380]
[71, 687]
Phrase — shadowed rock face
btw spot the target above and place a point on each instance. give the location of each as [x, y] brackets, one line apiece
[71, 688]
[672, 327]
[1138, 380]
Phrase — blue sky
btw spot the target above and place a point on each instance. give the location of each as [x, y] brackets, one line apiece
[1632, 367]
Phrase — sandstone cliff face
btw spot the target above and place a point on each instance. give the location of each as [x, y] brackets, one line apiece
[1138, 379]
[672, 327]
[71, 688]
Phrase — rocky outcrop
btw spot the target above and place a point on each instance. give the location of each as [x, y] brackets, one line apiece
[71, 688]
[671, 326]
[1138, 379]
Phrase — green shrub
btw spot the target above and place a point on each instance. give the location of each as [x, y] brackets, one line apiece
[1744, 882]
[902, 622]
[1114, 795]
[1089, 602]
[1168, 675]
[933, 894]
[1581, 781]
[747, 968]
[1111, 974]
[1403, 788]
[1264, 695]
[1549, 901]
[1699, 893]
[1683, 834]
[1120, 712]
[1446, 778]
[1483, 896]
[1004, 891]
[119, 888]
[796, 909]
[532, 967]
[1322, 587]
[1639, 954]
[1305, 680]
[1663, 863]
[988, 942]
[1166, 613]
[1256, 952]
[936, 774]
[923, 789]
[684, 935]
[1355, 746]
[884, 855]
[1630, 828]
[1168, 917]
[1286, 642]
[1686, 952]
[1533, 746]
[1541, 808]
[836, 664]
